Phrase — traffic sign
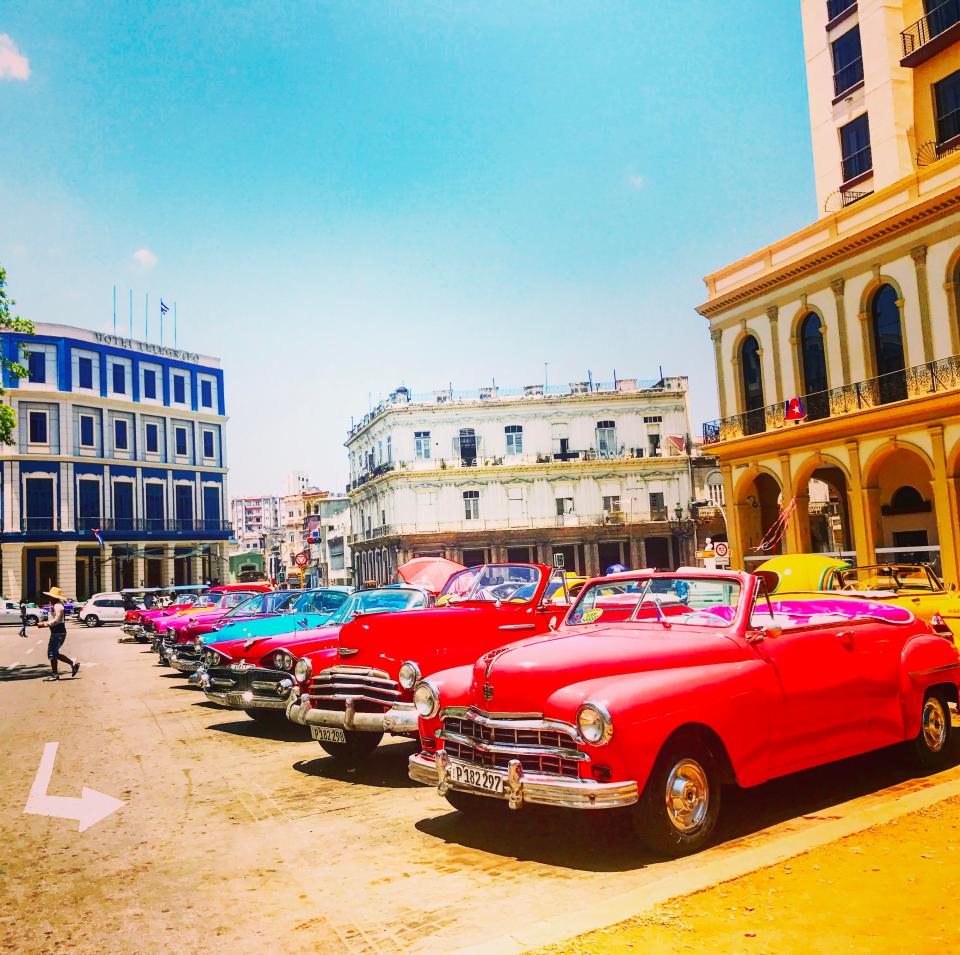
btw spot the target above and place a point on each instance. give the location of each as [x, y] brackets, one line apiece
[558, 561]
[721, 549]
[301, 559]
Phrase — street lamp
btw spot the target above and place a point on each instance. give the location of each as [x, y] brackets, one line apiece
[683, 528]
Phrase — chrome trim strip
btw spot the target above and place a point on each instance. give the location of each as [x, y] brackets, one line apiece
[401, 718]
[521, 787]
[531, 749]
[932, 670]
[520, 721]
[351, 685]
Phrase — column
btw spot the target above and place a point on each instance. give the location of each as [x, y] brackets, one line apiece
[716, 336]
[859, 521]
[837, 286]
[773, 313]
[946, 531]
[591, 556]
[12, 560]
[544, 553]
[793, 535]
[919, 256]
[168, 574]
[139, 569]
[193, 571]
[950, 289]
[105, 563]
[731, 513]
[67, 568]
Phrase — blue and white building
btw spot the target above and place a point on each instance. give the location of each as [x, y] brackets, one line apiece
[117, 438]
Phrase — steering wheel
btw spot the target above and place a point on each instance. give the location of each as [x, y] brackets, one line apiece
[706, 613]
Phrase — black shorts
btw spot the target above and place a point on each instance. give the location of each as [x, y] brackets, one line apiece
[56, 642]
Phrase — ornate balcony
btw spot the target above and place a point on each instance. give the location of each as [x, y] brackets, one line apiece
[917, 382]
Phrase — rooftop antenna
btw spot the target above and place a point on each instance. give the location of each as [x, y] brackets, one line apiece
[590, 379]
[174, 324]
[661, 372]
[546, 366]
[114, 310]
[614, 379]
[131, 307]
[146, 314]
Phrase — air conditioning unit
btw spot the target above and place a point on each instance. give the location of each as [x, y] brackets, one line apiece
[613, 517]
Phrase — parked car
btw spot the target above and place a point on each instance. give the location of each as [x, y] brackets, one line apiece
[914, 586]
[282, 613]
[626, 705]
[10, 613]
[283, 663]
[103, 608]
[369, 690]
[168, 602]
[206, 612]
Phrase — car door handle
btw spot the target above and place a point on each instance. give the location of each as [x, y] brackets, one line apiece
[846, 638]
[517, 626]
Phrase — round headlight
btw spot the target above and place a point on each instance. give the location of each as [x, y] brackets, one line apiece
[287, 661]
[303, 670]
[409, 675]
[594, 723]
[198, 643]
[425, 700]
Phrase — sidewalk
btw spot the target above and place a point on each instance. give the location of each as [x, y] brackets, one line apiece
[890, 889]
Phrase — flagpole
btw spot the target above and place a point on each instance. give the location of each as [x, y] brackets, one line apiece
[114, 310]
[174, 324]
[161, 319]
[146, 311]
[131, 308]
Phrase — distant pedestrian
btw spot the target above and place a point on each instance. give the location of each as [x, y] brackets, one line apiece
[23, 618]
[58, 633]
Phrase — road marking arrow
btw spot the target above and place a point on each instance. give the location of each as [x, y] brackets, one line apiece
[88, 810]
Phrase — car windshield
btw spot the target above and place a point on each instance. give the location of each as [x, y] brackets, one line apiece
[319, 601]
[383, 600]
[240, 603]
[893, 577]
[515, 582]
[674, 598]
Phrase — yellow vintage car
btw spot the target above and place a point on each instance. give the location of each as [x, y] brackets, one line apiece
[914, 586]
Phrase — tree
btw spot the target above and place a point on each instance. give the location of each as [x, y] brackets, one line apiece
[10, 323]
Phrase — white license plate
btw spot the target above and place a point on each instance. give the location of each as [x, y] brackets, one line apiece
[234, 699]
[328, 734]
[475, 778]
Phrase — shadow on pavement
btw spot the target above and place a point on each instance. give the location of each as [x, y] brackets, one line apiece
[284, 732]
[33, 671]
[605, 842]
[385, 768]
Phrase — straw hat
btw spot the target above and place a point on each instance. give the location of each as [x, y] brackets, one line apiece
[54, 592]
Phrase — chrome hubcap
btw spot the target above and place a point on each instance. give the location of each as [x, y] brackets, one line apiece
[934, 725]
[688, 795]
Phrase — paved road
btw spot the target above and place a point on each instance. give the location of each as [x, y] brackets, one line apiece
[232, 836]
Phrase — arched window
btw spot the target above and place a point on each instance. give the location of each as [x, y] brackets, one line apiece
[752, 377]
[888, 345]
[907, 500]
[813, 365]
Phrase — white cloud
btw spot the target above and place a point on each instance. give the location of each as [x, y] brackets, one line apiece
[13, 64]
[636, 181]
[145, 258]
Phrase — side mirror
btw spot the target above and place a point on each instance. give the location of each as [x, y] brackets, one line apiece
[553, 623]
[754, 636]
[773, 632]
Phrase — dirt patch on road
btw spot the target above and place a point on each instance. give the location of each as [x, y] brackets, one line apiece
[889, 889]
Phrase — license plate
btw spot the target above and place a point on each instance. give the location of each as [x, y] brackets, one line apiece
[475, 778]
[328, 734]
[234, 699]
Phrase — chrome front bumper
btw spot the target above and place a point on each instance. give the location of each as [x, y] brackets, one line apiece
[520, 787]
[401, 718]
[137, 632]
[183, 662]
[253, 689]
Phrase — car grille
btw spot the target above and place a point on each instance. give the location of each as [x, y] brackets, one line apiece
[331, 688]
[544, 749]
[148, 626]
[256, 679]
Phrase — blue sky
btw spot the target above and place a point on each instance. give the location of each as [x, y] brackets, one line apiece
[343, 197]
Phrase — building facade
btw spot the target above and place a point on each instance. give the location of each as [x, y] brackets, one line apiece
[256, 531]
[119, 438]
[600, 473]
[857, 314]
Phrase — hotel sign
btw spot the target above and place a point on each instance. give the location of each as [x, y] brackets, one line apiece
[164, 351]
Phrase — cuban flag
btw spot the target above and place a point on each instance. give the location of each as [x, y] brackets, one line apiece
[795, 410]
[164, 308]
[99, 537]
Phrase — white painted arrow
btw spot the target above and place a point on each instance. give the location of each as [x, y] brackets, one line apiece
[88, 809]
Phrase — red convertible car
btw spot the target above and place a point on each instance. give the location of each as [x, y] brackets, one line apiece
[369, 691]
[260, 675]
[628, 705]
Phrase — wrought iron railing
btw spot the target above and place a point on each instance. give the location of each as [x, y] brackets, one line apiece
[928, 27]
[858, 163]
[129, 525]
[948, 127]
[916, 382]
[836, 7]
[848, 77]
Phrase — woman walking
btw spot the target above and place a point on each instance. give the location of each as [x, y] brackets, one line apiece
[58, 633]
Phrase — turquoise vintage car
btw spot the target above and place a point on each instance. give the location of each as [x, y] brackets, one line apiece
[311, 608]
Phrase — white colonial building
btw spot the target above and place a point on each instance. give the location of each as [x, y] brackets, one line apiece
[600, 473]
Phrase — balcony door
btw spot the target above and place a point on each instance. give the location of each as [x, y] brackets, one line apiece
[813, 360]
[211, 508]
[153, 505]
[123, 505]
[40, 504]
[88, 504]
[752, 382]
[183, 506]
[888, 351]
[467, 447]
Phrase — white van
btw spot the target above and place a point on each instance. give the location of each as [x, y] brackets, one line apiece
[103, 608]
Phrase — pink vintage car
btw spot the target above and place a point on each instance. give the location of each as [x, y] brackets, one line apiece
[627, 705]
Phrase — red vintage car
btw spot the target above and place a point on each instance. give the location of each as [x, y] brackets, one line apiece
[658, 713]
[369, 692]
[208, 610]
[261, 675]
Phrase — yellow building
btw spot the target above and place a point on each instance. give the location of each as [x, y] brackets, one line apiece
[857, 314]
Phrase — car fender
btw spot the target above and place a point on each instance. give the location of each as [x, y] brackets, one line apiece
[453, 688]
[736, 701]
[927, 660]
